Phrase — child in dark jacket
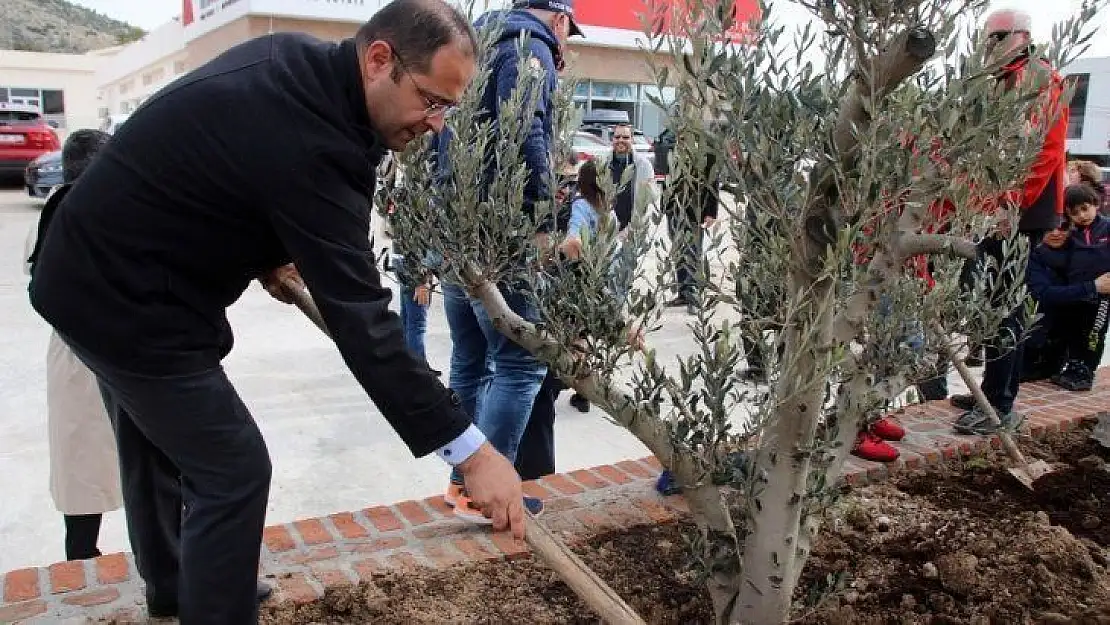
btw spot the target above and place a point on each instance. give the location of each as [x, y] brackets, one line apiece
[1071, 283]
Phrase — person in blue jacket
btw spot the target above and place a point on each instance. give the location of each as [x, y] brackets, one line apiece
[497, 380]
[1071, 282]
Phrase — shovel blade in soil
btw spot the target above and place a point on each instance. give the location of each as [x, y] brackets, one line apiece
[1101, 432]
[1031, 473]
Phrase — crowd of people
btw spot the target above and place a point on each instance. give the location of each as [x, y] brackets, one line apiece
[135, 280]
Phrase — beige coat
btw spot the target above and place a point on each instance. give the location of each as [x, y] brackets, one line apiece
[84, 469]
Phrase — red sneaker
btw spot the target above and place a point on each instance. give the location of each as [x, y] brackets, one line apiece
[888, 429]
[871, 447]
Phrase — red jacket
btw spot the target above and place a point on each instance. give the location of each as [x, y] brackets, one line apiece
[1041, 197]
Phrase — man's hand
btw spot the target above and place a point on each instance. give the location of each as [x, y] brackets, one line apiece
[1102, 284]
[423, 295]
[272, 282]
[494, 487]
[636, 338]
[1056, 239]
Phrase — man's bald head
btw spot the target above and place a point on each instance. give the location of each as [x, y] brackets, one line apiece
[1007, 34]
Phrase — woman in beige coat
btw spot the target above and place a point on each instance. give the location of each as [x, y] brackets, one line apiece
[84, 470]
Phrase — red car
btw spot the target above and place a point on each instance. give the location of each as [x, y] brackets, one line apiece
[24, 136]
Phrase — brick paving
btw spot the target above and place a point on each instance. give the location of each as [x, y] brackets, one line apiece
[305, 557]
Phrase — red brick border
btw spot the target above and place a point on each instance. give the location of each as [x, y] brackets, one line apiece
[306, 557]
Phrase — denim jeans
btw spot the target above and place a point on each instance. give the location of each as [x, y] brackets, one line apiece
[495, 379]
[414, 320]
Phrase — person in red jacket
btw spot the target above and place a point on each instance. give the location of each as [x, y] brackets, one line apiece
[1040, 198]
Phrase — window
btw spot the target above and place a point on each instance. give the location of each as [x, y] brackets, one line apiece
[3, 94]
[124, 107]
[179, 67]
[53, 102]
[1078, 104]
[614, 91]
[25, 93]
[147, 79]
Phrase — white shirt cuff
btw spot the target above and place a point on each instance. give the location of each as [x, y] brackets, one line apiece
[463, 447]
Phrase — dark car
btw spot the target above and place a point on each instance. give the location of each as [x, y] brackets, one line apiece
[24, 136]
[43, 174]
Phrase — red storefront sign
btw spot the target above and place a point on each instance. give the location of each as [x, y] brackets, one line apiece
[625, 14]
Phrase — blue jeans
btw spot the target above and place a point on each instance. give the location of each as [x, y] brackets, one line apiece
[496, 379]
[414, 320]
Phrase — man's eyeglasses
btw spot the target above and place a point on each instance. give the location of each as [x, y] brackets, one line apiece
[622, 137]
[435, 105]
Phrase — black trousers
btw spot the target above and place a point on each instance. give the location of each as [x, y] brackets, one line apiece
[195, 474]
[688, 234]
[82, 533]
[1081, 329]
[535, 457]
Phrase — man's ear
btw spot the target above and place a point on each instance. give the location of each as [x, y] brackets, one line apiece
[378, 59]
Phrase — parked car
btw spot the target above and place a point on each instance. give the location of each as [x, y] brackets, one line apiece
[588, 147]
[24, 136]
[43, 174]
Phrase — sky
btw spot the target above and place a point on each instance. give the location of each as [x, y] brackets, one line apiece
[149, 14]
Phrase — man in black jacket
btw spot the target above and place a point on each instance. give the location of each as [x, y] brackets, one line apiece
[263, 157]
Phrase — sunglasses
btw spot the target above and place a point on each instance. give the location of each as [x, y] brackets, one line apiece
[998, 36]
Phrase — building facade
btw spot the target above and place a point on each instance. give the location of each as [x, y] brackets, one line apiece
[1089, 123]
[62, 86]
[608, 62]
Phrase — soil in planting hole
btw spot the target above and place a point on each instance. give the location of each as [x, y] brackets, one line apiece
[960, 544]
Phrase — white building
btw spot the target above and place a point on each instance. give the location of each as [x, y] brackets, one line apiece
[62, 86]
[141, 69]
[1089, 127]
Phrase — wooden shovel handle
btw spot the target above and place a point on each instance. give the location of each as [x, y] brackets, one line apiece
[984, 404]
[581, 579]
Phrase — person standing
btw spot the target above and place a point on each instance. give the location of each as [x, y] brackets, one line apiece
[640, 191]
[84, 471]
[151, 246]
[496, 379]
[1041, 200]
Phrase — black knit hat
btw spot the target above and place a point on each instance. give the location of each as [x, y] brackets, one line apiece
[79, 150]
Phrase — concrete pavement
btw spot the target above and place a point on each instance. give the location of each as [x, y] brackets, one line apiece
[331, 448]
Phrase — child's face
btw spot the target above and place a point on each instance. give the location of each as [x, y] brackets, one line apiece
[1083, 214]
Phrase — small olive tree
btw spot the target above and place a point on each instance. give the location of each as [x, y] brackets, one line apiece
[834, 178]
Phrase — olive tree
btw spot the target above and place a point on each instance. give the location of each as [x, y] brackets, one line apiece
[842, 182]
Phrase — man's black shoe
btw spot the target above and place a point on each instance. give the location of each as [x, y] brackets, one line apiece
[155, 609]
[579, 402]
[963, 402]
[681, 300]
[1075, 376]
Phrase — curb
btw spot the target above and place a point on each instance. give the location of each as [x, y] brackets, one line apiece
[307, 557]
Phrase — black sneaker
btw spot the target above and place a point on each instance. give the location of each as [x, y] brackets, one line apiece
[963, 402]
[579, 402]
[679, 301]
[1075, 376]
[754, 374]
[977, 422]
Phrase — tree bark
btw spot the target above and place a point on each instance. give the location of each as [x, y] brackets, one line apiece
[707, 506]
[779, 535]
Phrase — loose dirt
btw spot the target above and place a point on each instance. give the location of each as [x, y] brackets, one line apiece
[959, 544]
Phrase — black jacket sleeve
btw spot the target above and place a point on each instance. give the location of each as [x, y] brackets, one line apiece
[323, 219]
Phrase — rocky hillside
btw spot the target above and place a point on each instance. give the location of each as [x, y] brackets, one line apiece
[59, 26]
